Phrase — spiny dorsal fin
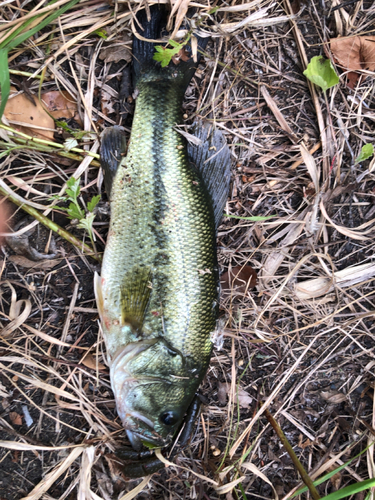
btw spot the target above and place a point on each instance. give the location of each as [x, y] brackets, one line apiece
[135, 296]
[112, 151]
[212, 160]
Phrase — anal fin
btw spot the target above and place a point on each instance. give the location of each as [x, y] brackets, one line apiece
[135, 296]
[112, 151]
[211, 157]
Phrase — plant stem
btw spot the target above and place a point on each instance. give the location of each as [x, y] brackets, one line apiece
[24, 73]
[48, 143]
[305, 477]
[53, 226]
[45, 149]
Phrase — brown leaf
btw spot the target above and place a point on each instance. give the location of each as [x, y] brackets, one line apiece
[117, 52]
[354, 54]
[335, 479]
[20, 109]
[31, 264]
[90, 362]
[61, 105]
[3, 392]
[333, 397]
[15, 418]
[239, 279]
[244, 398]
[107, 104]
[222, 393]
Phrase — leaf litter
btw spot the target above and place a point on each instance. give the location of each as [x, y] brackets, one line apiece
[295, 256]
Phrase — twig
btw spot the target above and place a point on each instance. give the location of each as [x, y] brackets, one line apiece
[305, 477]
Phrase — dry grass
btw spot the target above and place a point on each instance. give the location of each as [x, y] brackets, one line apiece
[300, 344]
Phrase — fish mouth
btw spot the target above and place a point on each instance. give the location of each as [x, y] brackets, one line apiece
[148, 436]
[138, 440]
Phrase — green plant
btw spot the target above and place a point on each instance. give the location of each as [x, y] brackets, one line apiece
[254, 218]
[321, 72]
[18, 36]
[74, 211]
[164, 55]
[366, 152]
[348, 490]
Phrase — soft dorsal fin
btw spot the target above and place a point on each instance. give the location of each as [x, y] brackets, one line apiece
[112, 151]
[135, 296]
[211, 157]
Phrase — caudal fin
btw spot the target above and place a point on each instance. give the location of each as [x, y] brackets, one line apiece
[144, 66]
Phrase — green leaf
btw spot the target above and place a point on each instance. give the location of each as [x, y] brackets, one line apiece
[351, 490]
[150, 446]
[321, 72]
[75, 212]
[164, 55]
[93, 202]
[4, 80]
[64, 126]
[102, 33]
[213, 10]
[366, 152]
[86, 223]
[324, 478]
[73, 189]
[255, 218]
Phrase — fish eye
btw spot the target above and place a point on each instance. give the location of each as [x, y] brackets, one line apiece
[169, 418]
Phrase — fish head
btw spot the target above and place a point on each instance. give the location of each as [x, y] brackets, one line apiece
[153, 386]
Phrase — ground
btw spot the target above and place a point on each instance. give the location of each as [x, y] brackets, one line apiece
[296, 311]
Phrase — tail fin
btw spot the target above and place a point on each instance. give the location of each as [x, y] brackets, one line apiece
[144, 66]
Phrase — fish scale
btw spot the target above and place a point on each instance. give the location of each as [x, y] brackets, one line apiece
[161, 218]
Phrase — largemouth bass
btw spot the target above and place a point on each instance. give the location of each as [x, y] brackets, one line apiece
[158, 291]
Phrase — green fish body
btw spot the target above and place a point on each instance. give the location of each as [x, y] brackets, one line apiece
[158, 291]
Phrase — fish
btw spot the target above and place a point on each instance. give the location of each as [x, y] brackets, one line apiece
[158, 292]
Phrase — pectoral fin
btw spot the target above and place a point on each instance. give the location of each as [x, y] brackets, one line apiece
[211, 157]
[112, 151]
[135, 296]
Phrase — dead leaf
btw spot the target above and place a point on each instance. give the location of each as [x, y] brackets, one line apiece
[244, 398]
[3, 392]
[302, 444]
[107, 103]
[239, 279]
[336, 478]
[5, 403]
[222, 393]
[20, 110]
[333, 397]
[116, 52]
[15, 418]
[30, 264]
[183, 55]
[180, 8]
[354, 54]
[90, 362]
[61, 105]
